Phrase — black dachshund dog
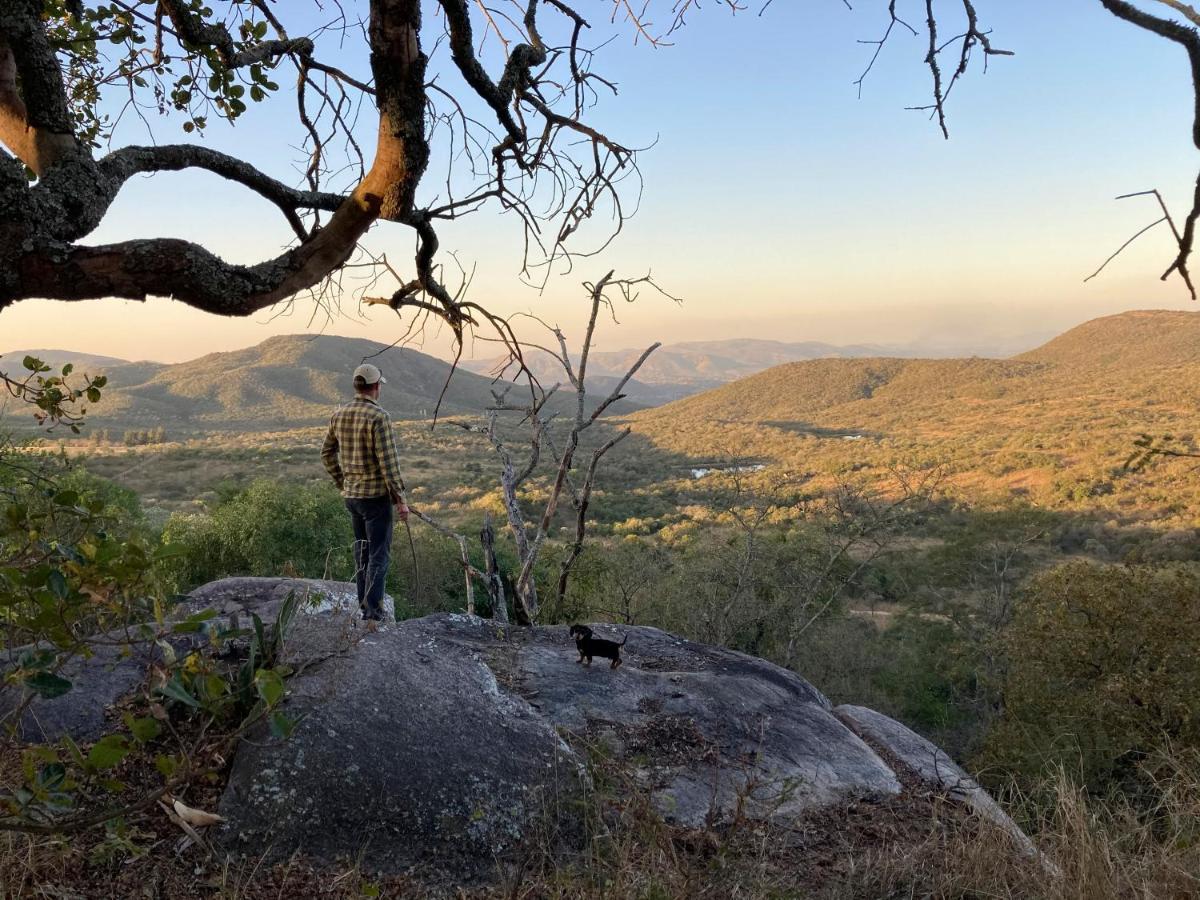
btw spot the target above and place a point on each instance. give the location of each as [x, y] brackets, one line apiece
[590, 646]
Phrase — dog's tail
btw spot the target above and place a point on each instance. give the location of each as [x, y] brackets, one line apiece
[623, 640]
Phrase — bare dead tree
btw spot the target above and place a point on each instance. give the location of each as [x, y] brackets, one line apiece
[489, 576]
[1186, 36]
[542, 421]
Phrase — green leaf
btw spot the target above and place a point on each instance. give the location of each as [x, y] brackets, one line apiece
[37, 659]
[66, 498]
[260, 641]
[176, 691]
[143, 730]
[57, 583]
[215, 687]
[73, 749]
[32, 363]
[52, 776]
[68, 369]
[194, 622]
[269, 685]
[107, 752]
[282, 726]
[47, 685]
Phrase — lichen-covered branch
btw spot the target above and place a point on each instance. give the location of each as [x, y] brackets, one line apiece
[194, 30]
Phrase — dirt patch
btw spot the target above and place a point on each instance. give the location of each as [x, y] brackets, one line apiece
[668, 663]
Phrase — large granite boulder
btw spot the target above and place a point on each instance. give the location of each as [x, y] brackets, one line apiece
[112, 671]
[408, 754]
[443, 746]
[438, 744]
[264, 596]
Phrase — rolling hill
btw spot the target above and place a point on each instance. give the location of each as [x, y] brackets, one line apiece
[679, 370]
[1051, 422]
[1127, 342]
[58, 358]
[683, 369]
[284, 382]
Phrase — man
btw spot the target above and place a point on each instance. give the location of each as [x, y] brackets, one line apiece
[360, 455]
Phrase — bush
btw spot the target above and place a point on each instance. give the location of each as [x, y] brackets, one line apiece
[1102, 672]
[271, 528]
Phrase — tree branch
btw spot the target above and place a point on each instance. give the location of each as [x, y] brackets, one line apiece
[123, 164]
[195, 31]
[1189, 39]
[35, 122]
[1173, 31]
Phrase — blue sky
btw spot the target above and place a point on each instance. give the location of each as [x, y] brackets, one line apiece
[777, 204]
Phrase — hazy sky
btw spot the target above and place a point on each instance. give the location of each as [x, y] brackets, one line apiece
[776, 203]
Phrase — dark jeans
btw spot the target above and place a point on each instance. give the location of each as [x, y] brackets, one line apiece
[372, 521]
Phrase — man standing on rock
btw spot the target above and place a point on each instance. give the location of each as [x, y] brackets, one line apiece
[360, 455]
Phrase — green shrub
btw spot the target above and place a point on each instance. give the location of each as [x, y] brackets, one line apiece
[1102, 671]
[271, 528]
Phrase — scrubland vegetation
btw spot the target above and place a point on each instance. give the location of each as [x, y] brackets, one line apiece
[1048, 650]
[995, 578]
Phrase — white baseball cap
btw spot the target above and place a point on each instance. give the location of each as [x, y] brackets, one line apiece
[369, 374]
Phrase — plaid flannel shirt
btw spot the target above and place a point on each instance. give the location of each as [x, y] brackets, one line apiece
[360, 452]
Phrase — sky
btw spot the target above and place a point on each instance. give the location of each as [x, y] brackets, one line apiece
[777, 203]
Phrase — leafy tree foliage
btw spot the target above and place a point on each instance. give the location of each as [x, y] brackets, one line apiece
[271, 528]
[1102, 671]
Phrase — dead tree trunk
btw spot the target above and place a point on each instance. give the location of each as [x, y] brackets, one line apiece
[491, 571]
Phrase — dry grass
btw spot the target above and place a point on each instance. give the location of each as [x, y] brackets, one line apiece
[1089, 850]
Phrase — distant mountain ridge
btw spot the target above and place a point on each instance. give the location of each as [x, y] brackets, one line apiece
[285, 382]
[682, 369]
[1125, 372]
[297, 380]
[12, 359]
[689, 366]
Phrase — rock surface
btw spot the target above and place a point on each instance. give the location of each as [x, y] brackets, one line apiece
[931, 764]
[409, 754]
[118, 666]
[98, 682]
[711, 728]
[264, 596]
[435, 744]
[442, 746]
